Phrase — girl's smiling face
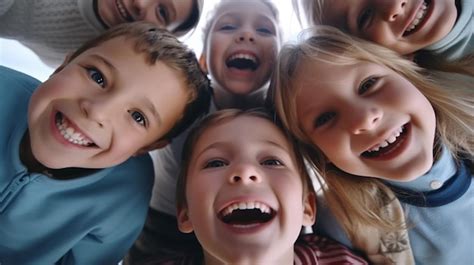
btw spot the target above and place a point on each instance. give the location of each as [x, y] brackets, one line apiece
[404, 26]
[366, 119]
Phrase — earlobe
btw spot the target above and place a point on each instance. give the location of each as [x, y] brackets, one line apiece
[203, 63]
[309, 209]
[184, 223]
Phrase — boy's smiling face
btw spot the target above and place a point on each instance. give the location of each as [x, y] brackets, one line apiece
[245, 163]
[404, 26]
[103, 107]
[242, 46]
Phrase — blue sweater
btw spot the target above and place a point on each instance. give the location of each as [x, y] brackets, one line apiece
[89, 220]
[442, 233]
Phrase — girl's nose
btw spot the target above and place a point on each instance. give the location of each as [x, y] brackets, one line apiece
[364, 119]
[245, 174]
[245, 35]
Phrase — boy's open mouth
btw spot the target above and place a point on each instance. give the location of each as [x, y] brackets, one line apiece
[243, 61]
[246, 214]
[389, 145]
[71, 134]
[418, 19]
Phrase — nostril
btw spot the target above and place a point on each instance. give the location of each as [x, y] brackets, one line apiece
[253, 178]
[235, 178]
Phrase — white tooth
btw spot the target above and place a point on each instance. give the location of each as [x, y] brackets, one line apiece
[257, 205]
[384, 144]
[250, 205]
[242, 206]
[70, 131]
[391, 139]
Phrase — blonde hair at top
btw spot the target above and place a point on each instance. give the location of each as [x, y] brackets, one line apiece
[357, 200]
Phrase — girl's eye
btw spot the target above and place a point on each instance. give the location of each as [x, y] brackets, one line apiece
[96, 76]
[272, 162]
[323, 119]
[163, 13]
[265, 30]
[364, 18]
[215, 163]
[227, 27]
[138, 118]
[366, 84]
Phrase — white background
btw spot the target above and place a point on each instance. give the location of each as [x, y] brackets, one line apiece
[15, 55]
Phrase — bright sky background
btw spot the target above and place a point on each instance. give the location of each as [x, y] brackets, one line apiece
[15, 55]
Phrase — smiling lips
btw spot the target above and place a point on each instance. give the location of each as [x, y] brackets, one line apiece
[419, 17]
[69, 133]
[387, 147]
[246, 214]
[123, 11]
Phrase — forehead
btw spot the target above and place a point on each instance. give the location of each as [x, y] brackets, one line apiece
[240, 9]
[241, 130]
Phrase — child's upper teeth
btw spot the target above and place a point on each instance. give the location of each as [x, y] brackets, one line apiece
[243, 56]
[418, 18]
[391, 139]
[71, 135]
[246, 205]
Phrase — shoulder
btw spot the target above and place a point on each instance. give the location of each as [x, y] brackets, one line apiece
[311, 247]
[10, 78]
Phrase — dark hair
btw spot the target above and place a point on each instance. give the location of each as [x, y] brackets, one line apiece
[160, 45]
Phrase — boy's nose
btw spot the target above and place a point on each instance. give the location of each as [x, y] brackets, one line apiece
[389, 10]
[98, 110]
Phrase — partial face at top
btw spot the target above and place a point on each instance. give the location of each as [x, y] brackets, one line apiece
[167, 14]
[103, 107]
[404, 26]
[242, 47]
[244, 167]
[366, 119]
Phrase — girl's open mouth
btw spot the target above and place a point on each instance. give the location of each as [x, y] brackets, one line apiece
[389, 147]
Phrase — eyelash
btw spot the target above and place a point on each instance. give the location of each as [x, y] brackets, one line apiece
[324, 119]
[96, 76]
[142, 118]
[272, 160]
[212, 163]
[163, 13]
[364, 18]
[367, 84]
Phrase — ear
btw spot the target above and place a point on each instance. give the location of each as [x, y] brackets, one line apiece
[184, 223]
[309, 211]
[156, 145]
[203, 62]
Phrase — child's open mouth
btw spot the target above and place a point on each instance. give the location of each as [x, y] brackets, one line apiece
[123, 11]
[71, 134]
[247, 214]
[389, 147]
[243, 61]
[418, 19]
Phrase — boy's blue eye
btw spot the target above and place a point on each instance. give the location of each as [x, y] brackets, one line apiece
[366, 84]
[323, 119]
[138, 117]
[215, 163]
[96, 76]
[272, 162]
